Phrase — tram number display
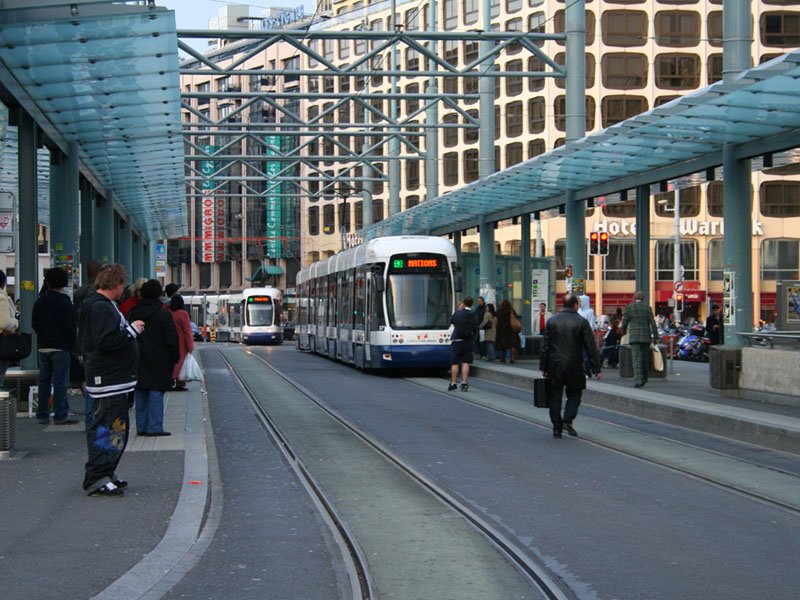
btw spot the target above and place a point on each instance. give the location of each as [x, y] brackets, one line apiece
[259, 300]
[410, 263]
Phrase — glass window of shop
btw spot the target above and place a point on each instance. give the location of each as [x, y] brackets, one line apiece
[716, 259]
[665, 260]
[780, 259]
[620, 264]
[561, 260]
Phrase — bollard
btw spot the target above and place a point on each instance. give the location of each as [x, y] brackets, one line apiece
[8, 423]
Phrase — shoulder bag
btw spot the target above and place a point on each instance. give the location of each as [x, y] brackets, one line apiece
[516, 325]
[15, 346]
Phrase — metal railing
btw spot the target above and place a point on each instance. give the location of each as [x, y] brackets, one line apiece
[771, 338]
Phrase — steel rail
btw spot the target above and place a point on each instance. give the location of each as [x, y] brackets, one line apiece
[538, 574]
[358, 573]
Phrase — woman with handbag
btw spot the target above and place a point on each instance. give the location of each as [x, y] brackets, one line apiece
[185, 338]
[489, 330]
[8, 322]
[508, 329]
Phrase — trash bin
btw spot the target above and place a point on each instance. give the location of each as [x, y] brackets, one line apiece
[8, 421]
[626, 363]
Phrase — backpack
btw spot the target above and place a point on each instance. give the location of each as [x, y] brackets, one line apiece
[81, 346]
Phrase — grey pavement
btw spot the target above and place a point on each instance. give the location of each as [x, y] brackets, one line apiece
[141, 546]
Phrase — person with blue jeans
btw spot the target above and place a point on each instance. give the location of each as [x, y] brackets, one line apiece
[53, 320]
[158, 352]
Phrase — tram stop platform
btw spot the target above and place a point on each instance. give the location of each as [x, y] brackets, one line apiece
[57, 542]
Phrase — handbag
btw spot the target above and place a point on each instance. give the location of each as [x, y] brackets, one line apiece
[15, 346]
[624, 340]
[190, 370]
[516, 325]
[658, 360]
[541, 392]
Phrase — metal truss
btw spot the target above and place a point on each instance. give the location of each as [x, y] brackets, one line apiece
[243, 137]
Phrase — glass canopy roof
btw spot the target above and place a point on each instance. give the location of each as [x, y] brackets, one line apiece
[758, 111]
[106, 79]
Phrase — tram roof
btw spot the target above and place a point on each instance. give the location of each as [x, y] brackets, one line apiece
[105, 78]
[757, 112]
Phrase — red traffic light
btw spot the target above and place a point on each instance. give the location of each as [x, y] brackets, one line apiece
[679, 301]
[603, 249]
[594, 238]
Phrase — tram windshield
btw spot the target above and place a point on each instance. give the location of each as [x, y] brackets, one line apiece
[260, 311]
[419, 301]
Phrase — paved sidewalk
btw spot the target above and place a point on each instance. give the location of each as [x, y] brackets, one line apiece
[682, 398]
[57, 542]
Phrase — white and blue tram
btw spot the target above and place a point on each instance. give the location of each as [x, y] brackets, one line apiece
[252, 316]
[386, 303]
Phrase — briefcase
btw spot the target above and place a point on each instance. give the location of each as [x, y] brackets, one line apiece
[541, 392]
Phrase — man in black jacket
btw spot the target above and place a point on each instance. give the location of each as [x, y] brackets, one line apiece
[159, 351]
[110, 360]
[566, 336]
[53, 320]
[465, 328]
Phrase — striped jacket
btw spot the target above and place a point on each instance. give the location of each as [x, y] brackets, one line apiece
[112, 354]
[639, 323]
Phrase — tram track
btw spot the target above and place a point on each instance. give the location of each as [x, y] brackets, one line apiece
[538, 575]
[356, 565]
[717, 479]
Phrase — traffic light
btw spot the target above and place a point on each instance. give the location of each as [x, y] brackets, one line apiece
[603, 243]
[594, 240]
[679, 302]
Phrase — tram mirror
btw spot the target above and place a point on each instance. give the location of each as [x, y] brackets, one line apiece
[457, 282]
[377, 280]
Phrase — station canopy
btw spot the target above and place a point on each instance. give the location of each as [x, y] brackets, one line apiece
[105, 77]
[758, 112]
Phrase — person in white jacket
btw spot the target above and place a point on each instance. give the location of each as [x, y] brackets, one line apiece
[587, 312]
[8, 321]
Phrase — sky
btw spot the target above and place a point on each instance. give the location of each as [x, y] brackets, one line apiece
[195, 14]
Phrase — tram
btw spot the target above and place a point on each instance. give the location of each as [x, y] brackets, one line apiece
[252, 316]
[384, 304]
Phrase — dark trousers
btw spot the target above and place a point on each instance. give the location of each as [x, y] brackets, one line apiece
[53, 372]
[570, 410]
[106, 439]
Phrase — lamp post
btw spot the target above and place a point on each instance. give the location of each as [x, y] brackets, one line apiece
[676, 268]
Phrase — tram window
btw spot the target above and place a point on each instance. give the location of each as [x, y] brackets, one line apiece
[419, 300]
[259, 311]
[360, 299]
[376, 316]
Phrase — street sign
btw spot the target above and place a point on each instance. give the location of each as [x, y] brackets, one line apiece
[678, 286]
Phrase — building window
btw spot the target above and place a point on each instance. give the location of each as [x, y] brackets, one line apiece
[412, 104]
[561, 260]
[560, 113]
[677, 28]
[514, 119]
[328, 224]
[470, 11]
[536, 65]
[536, 115]
[344, 216]
[714, 66]
[471, 133]
[626, 28]
[716, 259]
[536, 24]
[558, 26]
[561, 82]
[412, 60]
[513, 154]
[625, 71]
[514, 84]
[496, 121]
[451, 168]
[714, 199]
[622, 210]
[535, 148]
[313, 220]
[665, 260]
[714, 25]
[450, 11]
[412, 174]
[677, 71]
[471, 166]
[780, 29]
[690, 203]
[450, 134]
[780, 198]
[660, 100]
[411, 201]
[780, 259]
[513, 6]
[618, 108]
[620, 264]
[377, 210]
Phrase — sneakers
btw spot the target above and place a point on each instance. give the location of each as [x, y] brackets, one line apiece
[107, 490]
[452, 387]
[464, 387]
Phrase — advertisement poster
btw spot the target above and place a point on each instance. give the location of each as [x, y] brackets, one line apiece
[793, 304]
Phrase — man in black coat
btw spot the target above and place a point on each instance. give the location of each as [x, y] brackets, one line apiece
[158, 352]
[53, 321]
[566, 336]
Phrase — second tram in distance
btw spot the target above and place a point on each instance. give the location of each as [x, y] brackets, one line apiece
[384, 304]
[252, 316]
